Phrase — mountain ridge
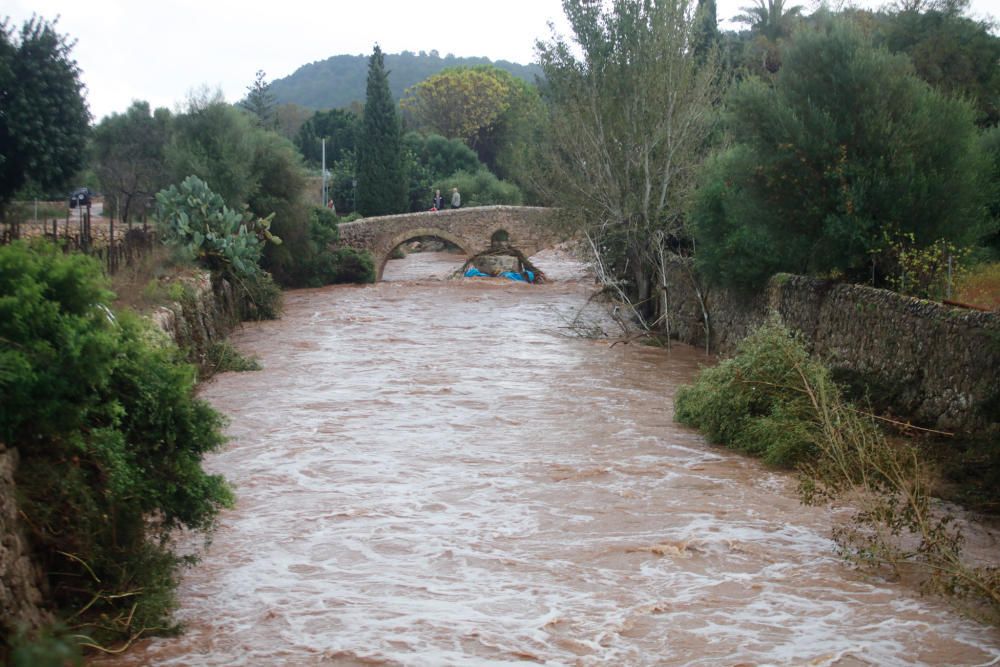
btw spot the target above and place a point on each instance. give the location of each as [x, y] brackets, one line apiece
[339, 80]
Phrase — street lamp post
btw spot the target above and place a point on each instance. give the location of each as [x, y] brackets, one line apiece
[323, 203]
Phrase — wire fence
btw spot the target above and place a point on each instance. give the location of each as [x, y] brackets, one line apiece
[114, 244]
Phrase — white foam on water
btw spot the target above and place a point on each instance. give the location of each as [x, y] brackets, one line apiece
[427, 475]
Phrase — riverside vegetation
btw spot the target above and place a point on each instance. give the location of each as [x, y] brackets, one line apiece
[101, 408]
[772, 400]
[103, 413]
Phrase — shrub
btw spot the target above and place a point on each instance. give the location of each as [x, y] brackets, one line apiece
[753, 402]
[102, 412]
[772, 400]
[222, 357]
[845, 144]
[926, 272]
[896, 522]
[351, 266]
[313, 262]
[480, 188]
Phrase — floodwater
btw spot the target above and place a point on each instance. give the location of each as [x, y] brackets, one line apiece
[432, 472]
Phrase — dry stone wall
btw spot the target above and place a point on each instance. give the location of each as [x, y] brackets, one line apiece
[206, 315]
[21, 600]
[935, 364]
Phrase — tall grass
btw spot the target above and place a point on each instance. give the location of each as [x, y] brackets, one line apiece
[981, 287]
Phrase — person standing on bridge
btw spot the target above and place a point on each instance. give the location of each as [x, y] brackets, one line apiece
[438, 200]
[456, 199]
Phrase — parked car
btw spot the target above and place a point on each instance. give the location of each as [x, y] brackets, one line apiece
[80, 197]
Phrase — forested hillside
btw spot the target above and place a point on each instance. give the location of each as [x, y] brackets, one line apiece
[339, 80]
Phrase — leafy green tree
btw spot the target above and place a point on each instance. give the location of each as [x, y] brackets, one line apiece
[459, 103]
[846, 148]
[628, 121]
[484, 106]
[952, 52]
[44, 121]
[479, 188]
[215, 141]
[318, 263]
[381, 184]
[339, 127]
[129, 151]
[441, 156]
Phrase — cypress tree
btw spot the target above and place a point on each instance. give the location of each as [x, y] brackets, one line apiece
[381, 186]
[705, 30]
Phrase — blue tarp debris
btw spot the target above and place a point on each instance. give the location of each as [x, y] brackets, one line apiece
[526, 277]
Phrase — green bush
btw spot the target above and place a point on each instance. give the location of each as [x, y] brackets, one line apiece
[845, 145]
[480, 188]
[102, 412]
[352, 266]
[313, 262]
[222, 357]
[773, 401]
[753, 402]
[52, 647]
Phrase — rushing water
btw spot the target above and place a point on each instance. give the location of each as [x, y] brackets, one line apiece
[430, 472]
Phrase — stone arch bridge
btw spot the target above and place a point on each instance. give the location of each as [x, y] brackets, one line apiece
[525, 228]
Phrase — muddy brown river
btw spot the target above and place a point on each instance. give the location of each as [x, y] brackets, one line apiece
[431, 472]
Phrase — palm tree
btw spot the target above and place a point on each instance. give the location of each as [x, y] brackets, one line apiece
[770, 18]
[771, 22]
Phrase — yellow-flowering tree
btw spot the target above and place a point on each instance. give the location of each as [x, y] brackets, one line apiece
[460, 103]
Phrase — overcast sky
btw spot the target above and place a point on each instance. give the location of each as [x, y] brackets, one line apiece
[161, 50]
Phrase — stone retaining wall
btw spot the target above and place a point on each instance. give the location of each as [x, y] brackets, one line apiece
[21, 600]
[207, 314]
[935, 364]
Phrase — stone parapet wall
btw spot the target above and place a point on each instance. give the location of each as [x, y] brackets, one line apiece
[935, 364]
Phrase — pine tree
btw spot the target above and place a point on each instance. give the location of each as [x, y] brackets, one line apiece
[260, 101]
[381, 185]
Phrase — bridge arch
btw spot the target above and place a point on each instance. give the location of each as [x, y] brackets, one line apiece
[402, 237]
[474, 230]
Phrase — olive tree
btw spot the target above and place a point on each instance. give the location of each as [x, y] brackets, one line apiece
[631, 107]
[129, 152]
